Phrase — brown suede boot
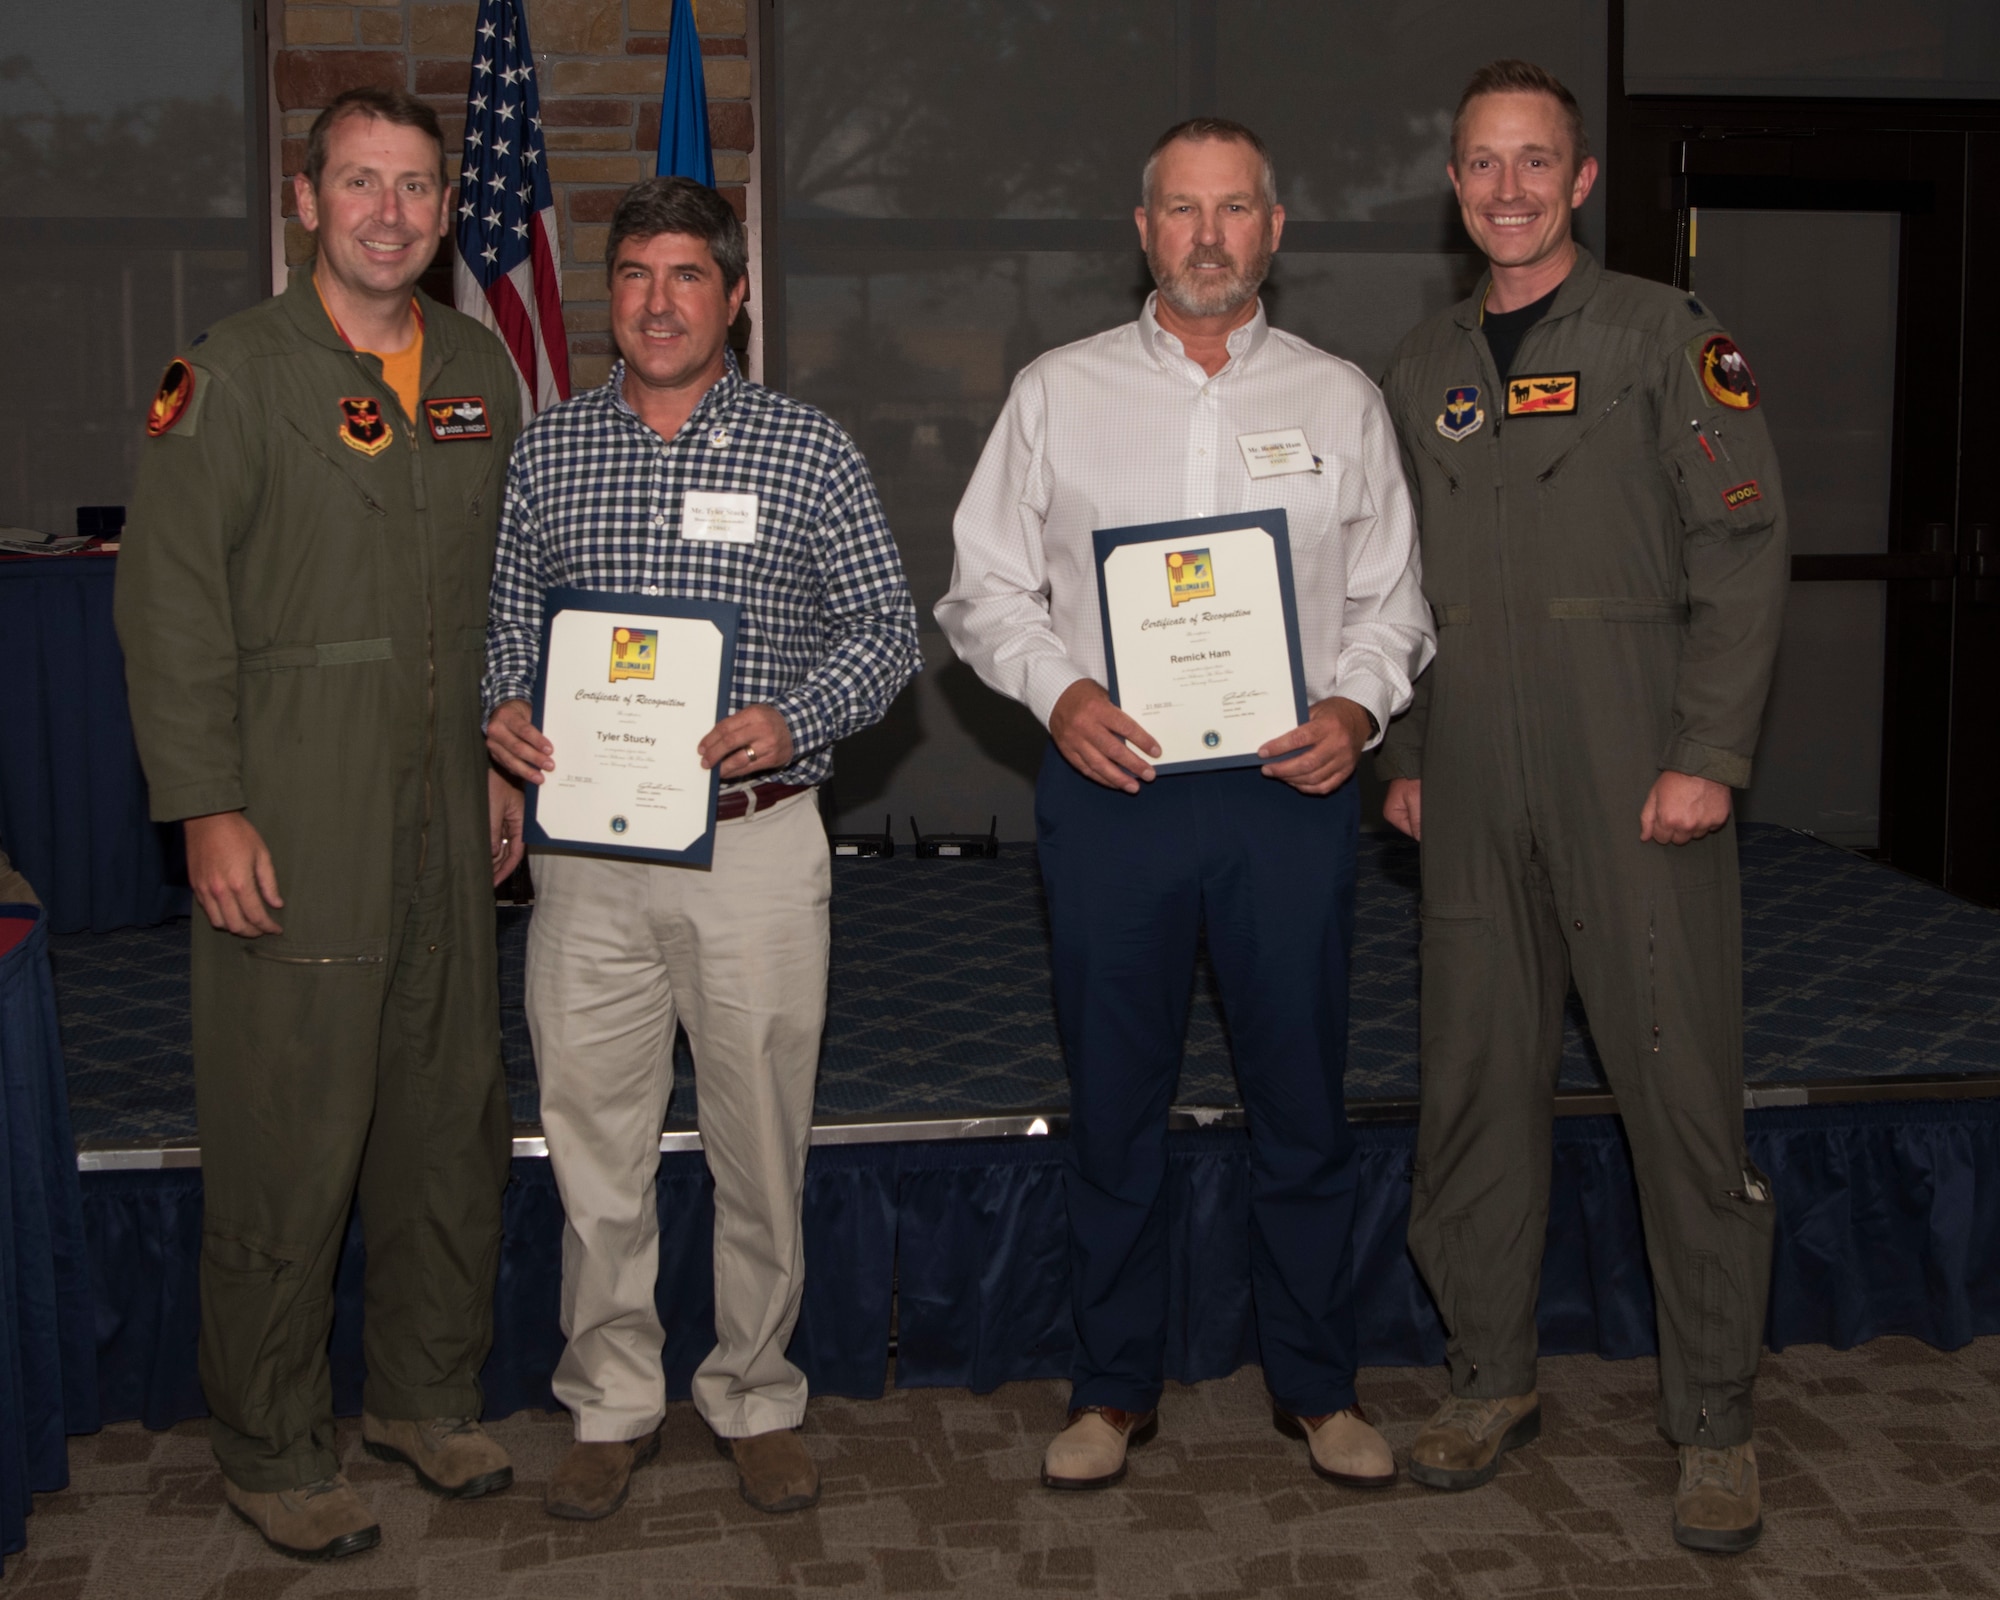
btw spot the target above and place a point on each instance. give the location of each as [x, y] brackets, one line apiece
[1718, 1506]
[594, 1478]
[773, 1470]
[315, 1522]
[451, 1456]
[1090, 1451]
[1461, 1446]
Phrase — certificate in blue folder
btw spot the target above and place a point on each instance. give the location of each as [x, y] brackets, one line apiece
[629, 686]
[1201, 635]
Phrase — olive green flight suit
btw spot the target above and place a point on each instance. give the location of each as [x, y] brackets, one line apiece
[302, 604]
[1608, 583]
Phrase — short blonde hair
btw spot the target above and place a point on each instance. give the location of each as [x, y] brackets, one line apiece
[1522, 77]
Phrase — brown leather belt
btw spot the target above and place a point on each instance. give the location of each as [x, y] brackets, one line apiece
[735, 803]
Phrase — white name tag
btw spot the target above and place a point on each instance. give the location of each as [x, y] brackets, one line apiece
[719, 518]
[1272, 455]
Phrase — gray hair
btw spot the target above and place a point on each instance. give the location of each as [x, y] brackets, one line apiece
[680, 205]
[1199, 130]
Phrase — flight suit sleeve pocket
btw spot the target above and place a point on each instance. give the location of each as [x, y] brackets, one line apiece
[1718, 497]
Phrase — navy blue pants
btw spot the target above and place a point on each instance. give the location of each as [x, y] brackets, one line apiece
[1132, 881]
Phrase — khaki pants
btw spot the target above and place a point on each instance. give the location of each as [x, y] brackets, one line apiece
[617, 952]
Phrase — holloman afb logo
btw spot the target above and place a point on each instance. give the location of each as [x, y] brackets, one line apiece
[1190, 576]
[634, 652]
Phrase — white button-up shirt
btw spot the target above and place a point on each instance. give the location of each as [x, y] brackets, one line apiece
[1124, 428]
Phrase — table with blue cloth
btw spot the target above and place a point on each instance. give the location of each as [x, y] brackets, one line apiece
[72, 795]
[48, 1351]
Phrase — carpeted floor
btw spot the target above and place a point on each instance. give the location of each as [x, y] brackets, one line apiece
[1881, 1473]
[938, 1003]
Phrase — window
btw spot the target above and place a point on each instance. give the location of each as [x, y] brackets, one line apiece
[133, 214]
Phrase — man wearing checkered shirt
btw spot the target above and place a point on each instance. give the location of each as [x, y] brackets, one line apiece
[619, 950]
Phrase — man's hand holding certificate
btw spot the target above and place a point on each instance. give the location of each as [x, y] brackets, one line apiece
[1201, 643]
[631, 692]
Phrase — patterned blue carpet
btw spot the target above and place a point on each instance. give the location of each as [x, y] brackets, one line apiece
[940, 993]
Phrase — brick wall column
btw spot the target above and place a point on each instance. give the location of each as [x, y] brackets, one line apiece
[599, 66]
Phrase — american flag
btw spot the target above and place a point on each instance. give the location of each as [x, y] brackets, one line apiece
[507, 248]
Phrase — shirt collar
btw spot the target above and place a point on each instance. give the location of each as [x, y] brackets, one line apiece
[1574, 291]
[1167, 350]
[711, 408]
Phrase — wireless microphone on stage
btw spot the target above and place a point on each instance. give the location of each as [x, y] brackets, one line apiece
[984, 846]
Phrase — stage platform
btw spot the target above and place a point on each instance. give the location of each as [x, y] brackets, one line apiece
[1859, 983]
[934, 1211]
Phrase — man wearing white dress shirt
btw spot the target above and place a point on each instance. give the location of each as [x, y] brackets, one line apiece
[1138, 425]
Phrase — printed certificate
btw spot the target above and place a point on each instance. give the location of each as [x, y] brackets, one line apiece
[1201, 635]
[629, 686]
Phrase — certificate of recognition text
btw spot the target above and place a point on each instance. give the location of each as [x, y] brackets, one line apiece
[626, 698]
[1201, 635]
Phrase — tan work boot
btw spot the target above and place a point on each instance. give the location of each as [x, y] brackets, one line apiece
[1090, 1451]
[1461, 1446]
[594, 1478]
[1344, 1446]
[451, 1456]
[315, 1522]
[1718, 1506]
[773, 1471]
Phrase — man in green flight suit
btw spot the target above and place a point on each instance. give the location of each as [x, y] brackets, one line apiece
[1604, 549]
[302, 603]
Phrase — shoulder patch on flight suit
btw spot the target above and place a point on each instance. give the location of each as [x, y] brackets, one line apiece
[173, 400]
[1549, 394]
[459, 417]
[1726, 378]
[1742, 494]
[361, 425]
[1461, 417]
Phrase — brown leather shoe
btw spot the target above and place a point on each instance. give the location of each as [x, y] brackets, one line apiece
[594, 1477]
[1345, 1448]
[1461, 1446]
[773, 1470]
[451, 1456]
[1089, 1453]
[315, 1522]
[1718, 1506]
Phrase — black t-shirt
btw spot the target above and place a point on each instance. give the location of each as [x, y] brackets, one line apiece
[1505, 330]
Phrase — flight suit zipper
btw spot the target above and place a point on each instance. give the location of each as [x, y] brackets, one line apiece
[1579, 441]
[430, 656]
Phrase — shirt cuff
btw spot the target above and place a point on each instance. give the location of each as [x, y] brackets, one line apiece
[1048, 680]
[1373, 696]
[205, 799]
[803, 722]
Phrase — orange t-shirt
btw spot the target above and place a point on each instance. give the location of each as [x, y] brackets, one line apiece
[402, 370]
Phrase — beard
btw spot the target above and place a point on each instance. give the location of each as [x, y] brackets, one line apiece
[1195, 293]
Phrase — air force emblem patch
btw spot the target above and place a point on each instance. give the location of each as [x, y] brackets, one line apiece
[1461, 417]
[361, 425]
[176, 394]
[1725, 375]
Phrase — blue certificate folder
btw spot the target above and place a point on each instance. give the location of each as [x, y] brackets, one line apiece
[1191, 532]
[726, 616]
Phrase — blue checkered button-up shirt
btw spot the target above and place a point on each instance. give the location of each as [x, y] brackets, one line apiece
[829, 633]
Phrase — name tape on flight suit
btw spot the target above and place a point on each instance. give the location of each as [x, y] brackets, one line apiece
[458, 417]
[1742, 494]
[1547, 394]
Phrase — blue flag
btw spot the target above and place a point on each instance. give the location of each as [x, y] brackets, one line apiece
[684, 150]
